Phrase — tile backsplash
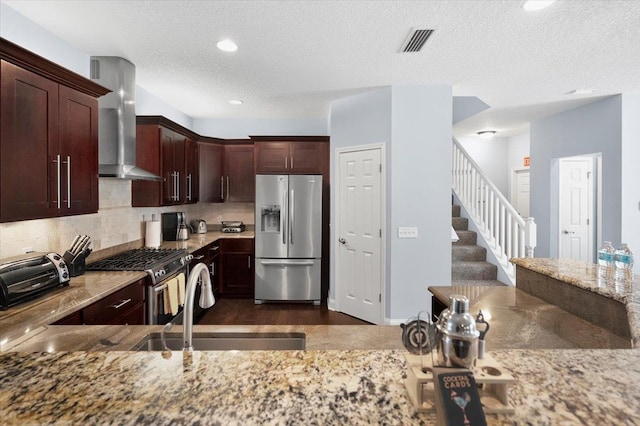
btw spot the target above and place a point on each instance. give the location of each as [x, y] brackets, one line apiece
[115, 223]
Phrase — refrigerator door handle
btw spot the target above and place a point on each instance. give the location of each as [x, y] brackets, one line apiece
[291, 217]
[284, 228]
[286, 263]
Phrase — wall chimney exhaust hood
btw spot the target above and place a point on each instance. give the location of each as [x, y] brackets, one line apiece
[117, 119]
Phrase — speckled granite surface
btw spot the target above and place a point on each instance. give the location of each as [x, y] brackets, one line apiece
[585, 276]
[298, 387]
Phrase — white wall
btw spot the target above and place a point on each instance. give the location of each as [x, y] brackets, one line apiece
[414, 124]
[517, 149]
[23, 32]
[630, 176]
[149, 104]
[589, 129]
[243, 128]
[492, 157]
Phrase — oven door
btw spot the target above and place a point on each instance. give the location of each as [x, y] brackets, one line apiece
[158, 306]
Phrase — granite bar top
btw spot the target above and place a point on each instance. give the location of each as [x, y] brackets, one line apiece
[584, 275]
[520, 320]
[20, 321]
[568, 387]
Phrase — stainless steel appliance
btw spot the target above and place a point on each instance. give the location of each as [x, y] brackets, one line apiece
[232, 226]
[28, 276]
[199, 226]
[288, 238]
[160, 264]
[174, 227]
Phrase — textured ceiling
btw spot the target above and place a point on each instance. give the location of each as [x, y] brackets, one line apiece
[295, 57]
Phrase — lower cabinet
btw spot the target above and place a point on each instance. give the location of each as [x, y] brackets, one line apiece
[125, 306]
[236, 267]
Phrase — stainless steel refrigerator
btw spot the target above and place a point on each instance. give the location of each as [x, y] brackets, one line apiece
[288, 237]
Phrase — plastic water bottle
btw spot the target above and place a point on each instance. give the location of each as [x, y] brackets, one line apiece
[606, 259]
[624, 264]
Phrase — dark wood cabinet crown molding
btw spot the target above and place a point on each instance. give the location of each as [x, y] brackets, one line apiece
[168, 124]
[289, 138]
[28, 60]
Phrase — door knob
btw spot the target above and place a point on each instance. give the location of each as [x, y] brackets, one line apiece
[567, 232]
[342, 241]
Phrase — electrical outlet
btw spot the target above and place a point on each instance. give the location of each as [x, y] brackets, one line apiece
[407, 232]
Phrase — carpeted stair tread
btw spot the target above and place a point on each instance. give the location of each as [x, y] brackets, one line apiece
[468, 253]
[473, 271]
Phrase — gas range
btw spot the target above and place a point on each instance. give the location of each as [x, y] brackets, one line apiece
[157, 263]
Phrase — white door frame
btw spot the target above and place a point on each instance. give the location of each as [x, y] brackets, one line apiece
[595, 207]
[383, 225]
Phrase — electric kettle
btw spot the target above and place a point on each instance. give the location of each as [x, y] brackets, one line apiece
[199, 226]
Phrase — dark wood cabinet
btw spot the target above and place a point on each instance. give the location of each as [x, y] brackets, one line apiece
[240, 184]
[211, 172]
[49, 138]
[125, 306]
[237, 267]
[191, 180]
[168, 150]
[226, 173]
[291, 157]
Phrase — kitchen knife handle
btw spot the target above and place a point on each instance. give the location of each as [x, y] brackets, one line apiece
[291, 215]
[222, 187]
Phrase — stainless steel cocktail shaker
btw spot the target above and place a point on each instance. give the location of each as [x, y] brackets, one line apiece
[456, 335]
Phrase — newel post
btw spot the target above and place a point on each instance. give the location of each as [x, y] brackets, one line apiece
[530, 231]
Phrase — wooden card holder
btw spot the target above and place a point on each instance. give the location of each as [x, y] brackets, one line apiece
[492, 380]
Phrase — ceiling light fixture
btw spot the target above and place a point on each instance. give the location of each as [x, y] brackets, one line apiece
[227, 45]
[487, 134]
[236, 102]
[532, 5]
[580, 92]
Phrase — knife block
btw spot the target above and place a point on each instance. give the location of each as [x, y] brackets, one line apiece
[76, 264]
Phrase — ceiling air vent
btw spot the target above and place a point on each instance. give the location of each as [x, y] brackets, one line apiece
[415, 40]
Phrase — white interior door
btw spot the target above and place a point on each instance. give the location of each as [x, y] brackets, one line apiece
[358, 256]
[522, 192]
[575, 208]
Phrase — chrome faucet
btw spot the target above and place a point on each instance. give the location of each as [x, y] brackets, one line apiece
[207, 300]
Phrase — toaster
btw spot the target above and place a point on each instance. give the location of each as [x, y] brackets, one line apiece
[199, 226]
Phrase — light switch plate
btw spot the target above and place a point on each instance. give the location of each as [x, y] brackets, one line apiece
[407, 232]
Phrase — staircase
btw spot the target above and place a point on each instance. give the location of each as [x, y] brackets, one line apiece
[468, 260]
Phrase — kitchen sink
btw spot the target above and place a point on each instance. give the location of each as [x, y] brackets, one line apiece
[225, 342]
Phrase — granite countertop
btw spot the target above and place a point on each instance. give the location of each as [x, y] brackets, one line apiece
[585, 275]
[520, 320]
[299, 387]
[19, 322]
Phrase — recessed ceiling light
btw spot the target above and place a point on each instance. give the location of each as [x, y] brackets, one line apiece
[227, 45]
[532, 5]
[235, 102]
[580, 92]
[487, 134]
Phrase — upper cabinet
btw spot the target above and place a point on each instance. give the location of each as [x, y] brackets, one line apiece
[168, 150]
[291, 155]
[49, 138]
[226, 171]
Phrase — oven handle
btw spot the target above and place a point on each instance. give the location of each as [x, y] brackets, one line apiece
[159, 288]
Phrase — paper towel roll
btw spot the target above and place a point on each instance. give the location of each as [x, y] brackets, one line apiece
[153, 236]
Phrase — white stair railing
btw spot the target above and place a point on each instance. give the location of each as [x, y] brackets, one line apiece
[507, 234]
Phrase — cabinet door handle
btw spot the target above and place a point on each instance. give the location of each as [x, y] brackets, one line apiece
[189, 187]
[285, 162]
[177, 186]
[198, 257]
[213, 268]
[228, 192]
[222, 187]
[68, 182]
[57, 161]
[120, 304]
[291, 163]
[248, 262]
[214, 248]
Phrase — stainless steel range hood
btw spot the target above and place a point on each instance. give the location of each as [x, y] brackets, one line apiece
[117, 119]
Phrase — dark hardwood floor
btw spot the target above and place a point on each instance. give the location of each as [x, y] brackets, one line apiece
[245, 312]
